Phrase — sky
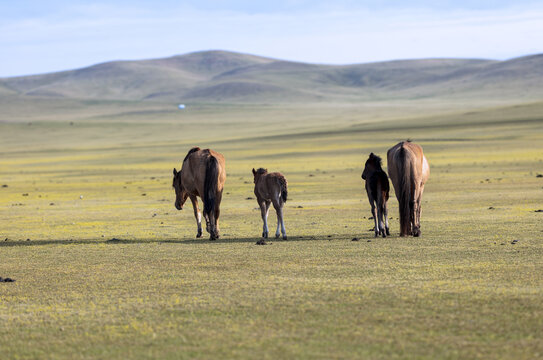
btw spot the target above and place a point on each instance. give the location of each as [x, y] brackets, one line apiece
[45, 36]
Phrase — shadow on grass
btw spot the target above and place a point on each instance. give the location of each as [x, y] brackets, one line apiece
[202, 241]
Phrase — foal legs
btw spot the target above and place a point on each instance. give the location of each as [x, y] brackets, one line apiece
[280, 223]
[380, 215]
[385, 213]
[374, 212]
[197, 215]
[264, 208]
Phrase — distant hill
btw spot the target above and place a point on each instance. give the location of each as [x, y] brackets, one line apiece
[220, 76]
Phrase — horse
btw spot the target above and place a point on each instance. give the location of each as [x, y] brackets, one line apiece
[271, 188]
[377, 188]
[202, 174]
[409, 171]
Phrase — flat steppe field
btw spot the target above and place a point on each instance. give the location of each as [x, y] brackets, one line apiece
[107, 268]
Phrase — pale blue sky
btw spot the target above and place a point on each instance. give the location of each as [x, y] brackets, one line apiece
[44, 36]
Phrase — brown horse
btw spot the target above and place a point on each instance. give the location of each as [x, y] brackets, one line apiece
[202, 174]
[377, 187]
[409, 171]
[271, 188]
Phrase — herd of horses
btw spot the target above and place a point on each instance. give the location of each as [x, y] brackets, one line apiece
[203, 174]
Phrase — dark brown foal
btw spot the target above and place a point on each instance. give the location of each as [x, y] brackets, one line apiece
[377, 187]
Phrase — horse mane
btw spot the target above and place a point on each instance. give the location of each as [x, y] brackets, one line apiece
[261, 171]
[194, 149]
[376, 161]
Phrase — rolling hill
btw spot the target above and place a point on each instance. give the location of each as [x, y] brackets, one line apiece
[220, 76]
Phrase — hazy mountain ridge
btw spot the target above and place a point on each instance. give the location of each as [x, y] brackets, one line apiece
[226, 76]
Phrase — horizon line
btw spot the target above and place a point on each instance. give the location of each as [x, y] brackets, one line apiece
[265, 57]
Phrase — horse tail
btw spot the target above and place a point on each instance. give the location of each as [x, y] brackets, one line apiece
[406, 178]
[284, 188]
[210, 184]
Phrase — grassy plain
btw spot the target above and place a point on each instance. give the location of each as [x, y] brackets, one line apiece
[107, 268]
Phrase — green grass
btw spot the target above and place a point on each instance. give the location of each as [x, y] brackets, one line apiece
[462, 290]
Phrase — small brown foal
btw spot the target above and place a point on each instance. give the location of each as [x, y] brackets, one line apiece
[271, 188]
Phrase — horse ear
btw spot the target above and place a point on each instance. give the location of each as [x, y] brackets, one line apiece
[372, 155]
[174, 172]
[254, 172]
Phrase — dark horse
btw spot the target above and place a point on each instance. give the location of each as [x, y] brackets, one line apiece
[377, 187]
[202, 174]
[409, 171]
[271, 188]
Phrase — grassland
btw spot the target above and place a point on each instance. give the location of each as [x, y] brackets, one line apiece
[107, 268]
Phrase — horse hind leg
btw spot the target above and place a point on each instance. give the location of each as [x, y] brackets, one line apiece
[217, 214]
[283, 229]
[278, 229]
[416, 208]
[412, 211]
[416, 221]
[278, 205]
[385, 214]
[381, 222]
[264, 208]
[212, 227]
[374, 213]
[416, 230]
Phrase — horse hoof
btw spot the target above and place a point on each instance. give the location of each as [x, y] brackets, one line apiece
[416, 233]
[388, 232]
[264, 235]
[284, 237]
[276, 236]
[199, 235]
